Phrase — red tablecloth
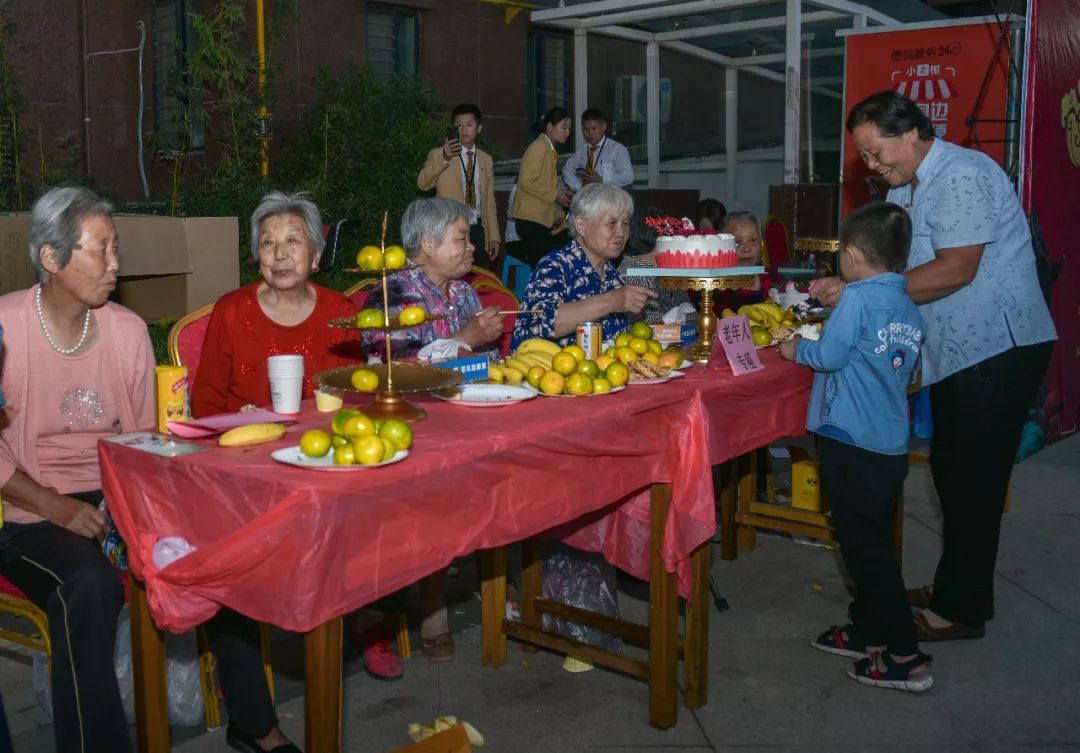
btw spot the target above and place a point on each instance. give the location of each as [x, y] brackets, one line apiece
[295, 547]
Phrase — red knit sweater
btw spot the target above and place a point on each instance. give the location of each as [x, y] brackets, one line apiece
[240, 337]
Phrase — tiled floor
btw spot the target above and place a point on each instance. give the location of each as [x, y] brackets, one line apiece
[1015, 690]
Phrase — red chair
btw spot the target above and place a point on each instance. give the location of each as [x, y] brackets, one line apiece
[186, 340]
[359, 292]
[493, 293]
[775, 248]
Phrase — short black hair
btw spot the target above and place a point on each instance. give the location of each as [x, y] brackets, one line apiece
[642, 236]
[713, 210]
[554, 116]
[882, 231]
[466, 108]
[892, 113]
[593, 114]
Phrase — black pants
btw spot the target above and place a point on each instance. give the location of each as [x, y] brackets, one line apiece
[537, 240]
[480, 255]
[978, 414]
[68, 577]
[863, 488]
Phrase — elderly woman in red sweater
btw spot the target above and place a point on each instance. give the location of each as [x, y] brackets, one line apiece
[284, 313]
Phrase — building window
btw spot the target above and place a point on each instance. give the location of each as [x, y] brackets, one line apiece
[549, 73]
[179, 122]
[393, 41]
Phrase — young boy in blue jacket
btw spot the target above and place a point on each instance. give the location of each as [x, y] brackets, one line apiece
[859, 414]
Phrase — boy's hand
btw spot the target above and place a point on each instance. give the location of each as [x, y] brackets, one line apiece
[787, 349]
[451, 149]
[827, 290]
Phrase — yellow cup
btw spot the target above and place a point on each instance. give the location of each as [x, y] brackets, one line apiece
[171, 395]
[327, 402]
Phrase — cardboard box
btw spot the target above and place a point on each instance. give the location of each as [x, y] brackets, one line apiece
[168, 265]
[806, 481]
[453, 740]
[682, 334]
[471, 368]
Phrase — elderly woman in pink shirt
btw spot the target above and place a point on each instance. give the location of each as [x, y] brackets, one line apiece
[77, 368]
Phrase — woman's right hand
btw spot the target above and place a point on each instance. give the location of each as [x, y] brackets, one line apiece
[79, 517]
[631, 298]
[827, 290]
[482, 329]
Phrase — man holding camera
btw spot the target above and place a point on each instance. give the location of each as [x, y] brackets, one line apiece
[599, 159]
[460, 170]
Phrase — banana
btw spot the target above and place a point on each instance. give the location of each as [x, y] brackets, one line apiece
[495, 373]
[513, 376]
[516, 363]
[242, 436]
[535, 359]
[539, 345]
[727, 314]
[744, 310]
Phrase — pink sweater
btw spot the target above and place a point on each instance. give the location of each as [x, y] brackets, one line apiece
[59, 406]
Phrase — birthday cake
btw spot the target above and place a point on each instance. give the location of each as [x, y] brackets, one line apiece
[680, 246]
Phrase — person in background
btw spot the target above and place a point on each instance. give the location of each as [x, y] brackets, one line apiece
[538, 194]
[579, 282]
[988, 341]
[599, 159]
[460, 170]
[746, 228]
[514, 243]
[710, 214]
[859, 413]
[638, 254]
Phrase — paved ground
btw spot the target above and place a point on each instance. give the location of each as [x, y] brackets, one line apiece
[1016, 690]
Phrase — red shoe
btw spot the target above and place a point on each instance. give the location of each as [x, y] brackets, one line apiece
[380, 661]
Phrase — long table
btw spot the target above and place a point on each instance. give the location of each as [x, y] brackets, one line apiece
[299, 549]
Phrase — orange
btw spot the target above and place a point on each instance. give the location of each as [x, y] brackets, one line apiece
[622, 340]
[552, 383]
[761, 336]
[344, 455]
[369, 318]
[359, 426]
[397, 432]
[370, 259]
[603, 361]
[589, 368]
[638, 345]
[394, 258]
[368, 450]
[536, 373]
[578, 384]
[337, 424]
[575, 351]
[338, 440]
[626, 354]
[315, 443]
[389, 449]
[671, 360]
[610, 352]
[412, 315]
[364, 380]
[564, 363]
[600, 386]
[618, 374]
[655, 346]
[642, 330]
[651, 358]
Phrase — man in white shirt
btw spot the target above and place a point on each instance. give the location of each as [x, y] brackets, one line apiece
[600, 159]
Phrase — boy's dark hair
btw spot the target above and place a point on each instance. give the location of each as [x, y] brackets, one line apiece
[593, 114]
[642, 237]
[466, 108]
[554, 116]
[892, 113]
[882, 232]
[713, 210]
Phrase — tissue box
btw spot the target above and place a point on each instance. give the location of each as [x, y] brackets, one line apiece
[681, 334]
[472, 368]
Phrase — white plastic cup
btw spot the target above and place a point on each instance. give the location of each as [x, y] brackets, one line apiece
[286, 382]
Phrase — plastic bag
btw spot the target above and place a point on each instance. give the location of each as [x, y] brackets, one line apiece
[42, 688]
[584, 580]
[182, 681]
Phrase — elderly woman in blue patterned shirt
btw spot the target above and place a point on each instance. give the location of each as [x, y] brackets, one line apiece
[435, 233]
[987, 343]
[579, 282]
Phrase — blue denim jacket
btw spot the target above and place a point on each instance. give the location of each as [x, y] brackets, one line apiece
[864, 359]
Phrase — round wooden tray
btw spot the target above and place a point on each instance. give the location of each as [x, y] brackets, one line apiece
[408, 377]
[349, 322]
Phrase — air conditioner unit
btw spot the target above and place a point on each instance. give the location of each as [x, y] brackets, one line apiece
[630, 100]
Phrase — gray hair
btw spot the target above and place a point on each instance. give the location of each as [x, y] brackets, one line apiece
[279, 202]
[429, 219]
[56, 221]
[597, 198]
[742, 215]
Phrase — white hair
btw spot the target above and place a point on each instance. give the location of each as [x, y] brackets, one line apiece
[279, 202]
[598, 198]
[56, 221]
[429, 219]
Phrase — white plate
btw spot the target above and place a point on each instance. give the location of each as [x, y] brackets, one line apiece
[488, 395]
[686, 364]
[591, 394]
[658, 380]
[293, 456]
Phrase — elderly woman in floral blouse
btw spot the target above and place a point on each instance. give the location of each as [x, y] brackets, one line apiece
[579, 282]
[435, 233]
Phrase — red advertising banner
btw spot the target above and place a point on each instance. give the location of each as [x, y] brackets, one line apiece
[942, 68]
[1050, 185]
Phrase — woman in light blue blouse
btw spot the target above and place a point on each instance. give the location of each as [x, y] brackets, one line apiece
[987, 343]
[579, 282]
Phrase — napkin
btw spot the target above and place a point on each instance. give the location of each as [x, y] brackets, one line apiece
[169, 549]
[441, 349]
[678, 314]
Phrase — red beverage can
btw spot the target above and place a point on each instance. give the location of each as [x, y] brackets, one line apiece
[590, 338]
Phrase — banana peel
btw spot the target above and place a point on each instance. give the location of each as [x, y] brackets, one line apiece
[418, 732]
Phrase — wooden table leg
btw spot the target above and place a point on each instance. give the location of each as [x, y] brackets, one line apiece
[532, 585]
[747, 467]
[322, 688]
[696, 656]
[729, 548]
[663, 618]
[148, 666]
[492, 606]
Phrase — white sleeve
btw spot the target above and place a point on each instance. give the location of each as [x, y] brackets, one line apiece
[569, 171]
[624, 168]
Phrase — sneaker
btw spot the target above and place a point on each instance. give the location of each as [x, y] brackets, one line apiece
[883, 672]
[842, 641]
[380, 661]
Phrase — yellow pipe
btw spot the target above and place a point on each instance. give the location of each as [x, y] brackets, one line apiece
[264, 113]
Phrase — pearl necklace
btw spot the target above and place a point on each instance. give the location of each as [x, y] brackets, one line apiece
[48, 335]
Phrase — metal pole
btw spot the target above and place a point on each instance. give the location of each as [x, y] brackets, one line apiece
[792, 84]
[1014, 101]
[581, 80]
[263, 127]
[652, 109]
[731, 131]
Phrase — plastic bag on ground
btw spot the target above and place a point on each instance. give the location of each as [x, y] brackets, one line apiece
[182, 682]
[584, 580]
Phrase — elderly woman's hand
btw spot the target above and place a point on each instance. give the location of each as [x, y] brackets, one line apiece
[79, 517]
[630, 298]
[484, 328]
[787, 349]
[827, 290]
